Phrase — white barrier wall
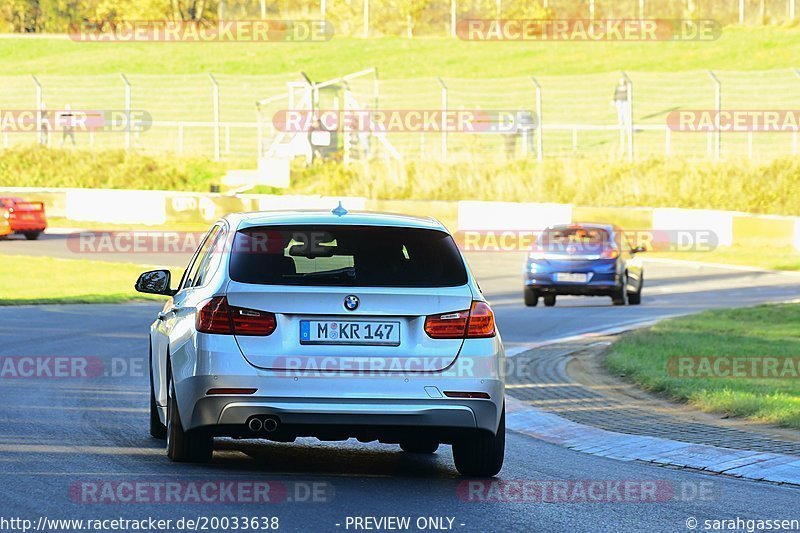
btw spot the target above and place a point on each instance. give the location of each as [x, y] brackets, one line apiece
[156, 207]
[695, 220]
[273, 203]
[797, 234]
[116, 206]
[511, 215]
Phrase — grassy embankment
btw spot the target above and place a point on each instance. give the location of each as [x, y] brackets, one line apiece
[758, 332]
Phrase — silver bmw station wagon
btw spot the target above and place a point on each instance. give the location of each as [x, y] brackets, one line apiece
[332, 325]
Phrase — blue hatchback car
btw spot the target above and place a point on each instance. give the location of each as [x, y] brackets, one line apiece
[584, 260]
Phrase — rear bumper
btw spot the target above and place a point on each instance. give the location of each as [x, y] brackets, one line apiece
[603, 277]
[335, 405]
[604, 288]
[381, 408]
[27, 225]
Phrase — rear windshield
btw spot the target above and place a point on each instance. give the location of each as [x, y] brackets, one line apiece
[364, 256]
[575, 236]
[573, 240]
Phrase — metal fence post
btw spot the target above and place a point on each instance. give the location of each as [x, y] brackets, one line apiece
[366, 18]
[39, 132]
[453, 18]
[38, 92]
[539, 123]
[629, 112]
[259, 130]
[215, 96]
[741, 11]
[348, 136]
[444, 114]
[794, 133]
[127, 111]
[718, 107]
[376, 92]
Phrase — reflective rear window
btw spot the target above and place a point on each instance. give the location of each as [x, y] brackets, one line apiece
[578, 235]
[364, 256]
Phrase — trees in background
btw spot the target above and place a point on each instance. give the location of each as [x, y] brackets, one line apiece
[383, 17]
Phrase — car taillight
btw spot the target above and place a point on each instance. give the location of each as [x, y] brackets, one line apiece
[478, 322]
[609, 253]
[481, 321]
[216, 316]
[252, 322]
[447, 326]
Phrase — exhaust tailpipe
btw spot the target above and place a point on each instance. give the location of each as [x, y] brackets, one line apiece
[270, 424]
[255, 425]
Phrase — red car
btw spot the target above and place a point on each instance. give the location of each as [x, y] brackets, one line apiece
[27, 218]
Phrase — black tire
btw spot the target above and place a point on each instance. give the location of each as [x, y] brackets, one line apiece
[157, 429]
[419, 446]
[196, 446]
[531, 297]
[549, 300]
[621, 293]
[32, 235]
[482, 456]
[635, 298]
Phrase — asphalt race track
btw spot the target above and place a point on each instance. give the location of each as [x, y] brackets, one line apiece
[67, 442]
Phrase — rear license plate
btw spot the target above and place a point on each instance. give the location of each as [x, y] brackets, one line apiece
[368, 333]
[571, 277]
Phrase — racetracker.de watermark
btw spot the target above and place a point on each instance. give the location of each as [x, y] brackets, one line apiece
[70, 367]
[75, 120]
[405, 120]
[463, 366]
[531, 241]
[185, 242]
[201, 491]
[734, 120]
[135, 242]
[727, 366]
[260, 31]
[584, 491]
[588, 30]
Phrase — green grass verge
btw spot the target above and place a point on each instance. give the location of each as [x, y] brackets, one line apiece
[768, 330]
[737, 49]
[45, 280]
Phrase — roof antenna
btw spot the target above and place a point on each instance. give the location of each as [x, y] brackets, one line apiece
[339, 210]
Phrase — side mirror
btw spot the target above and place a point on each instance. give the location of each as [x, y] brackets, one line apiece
[155, 282]
[638, 250]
